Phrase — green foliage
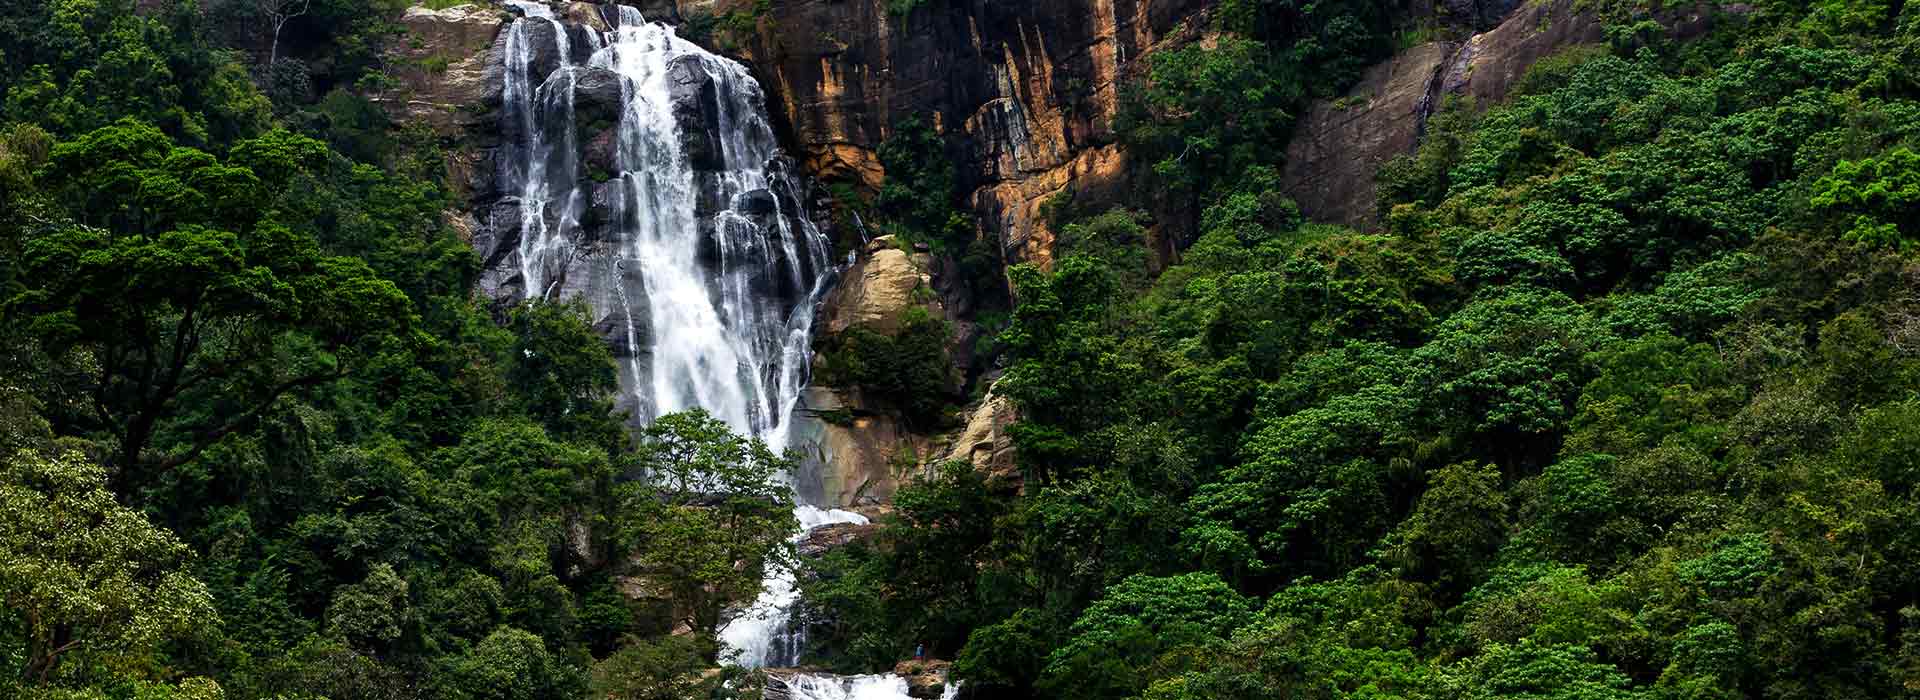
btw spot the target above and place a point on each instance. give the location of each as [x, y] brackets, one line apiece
[1614, 405]
[513, 664]
[907, 369]
[1208, 113]
[920, 192]
[1143, 627]
[84, 576]
[183, 297]
[665, 669]
[709, 518]
[1882, 194]
[1618, 402]
[561, 365]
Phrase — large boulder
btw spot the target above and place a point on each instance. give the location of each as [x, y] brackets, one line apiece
[926, 678]
[818, 541]
[598, 100]
[876, 292]
[985, 442]
[852, 455]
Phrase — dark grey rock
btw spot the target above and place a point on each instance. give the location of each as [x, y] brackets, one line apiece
[696, 105]
[598, 99]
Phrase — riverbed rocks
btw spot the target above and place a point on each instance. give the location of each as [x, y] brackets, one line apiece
[825, 538]
[926, 678]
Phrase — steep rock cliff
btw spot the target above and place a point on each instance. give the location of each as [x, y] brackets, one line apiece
[1026, 92]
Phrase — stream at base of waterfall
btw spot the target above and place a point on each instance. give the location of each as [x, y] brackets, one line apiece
[690, 243]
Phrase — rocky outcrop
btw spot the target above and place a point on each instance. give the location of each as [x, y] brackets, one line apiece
[984, 442]
[926, 678]
[1027, 92]
[439, 70]
[852, 455]
[1339, 144]
[876, 292]
[820, 540]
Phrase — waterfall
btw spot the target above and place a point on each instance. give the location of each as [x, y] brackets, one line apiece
[692, 244]
[641, 175]
[765, 635]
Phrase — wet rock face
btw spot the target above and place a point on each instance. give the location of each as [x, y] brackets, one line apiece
[598, 99]
[696, 105]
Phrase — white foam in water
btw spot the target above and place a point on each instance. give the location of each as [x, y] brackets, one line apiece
[764, 635]
[884, 686]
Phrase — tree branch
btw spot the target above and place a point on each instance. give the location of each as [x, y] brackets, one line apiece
[207, 438]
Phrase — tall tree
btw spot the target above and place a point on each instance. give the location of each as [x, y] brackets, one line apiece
[191, 318]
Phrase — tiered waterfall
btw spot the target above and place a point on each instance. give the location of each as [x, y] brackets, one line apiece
[641, 175]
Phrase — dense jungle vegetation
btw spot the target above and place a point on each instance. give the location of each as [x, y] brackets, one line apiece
[262, 440]
[1620, 402]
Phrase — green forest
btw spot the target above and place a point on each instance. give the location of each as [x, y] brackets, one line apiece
[1621, 400]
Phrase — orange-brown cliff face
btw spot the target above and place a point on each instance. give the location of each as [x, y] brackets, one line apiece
[1027, 92]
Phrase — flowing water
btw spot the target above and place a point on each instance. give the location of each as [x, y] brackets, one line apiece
[648, 182]
[765, 635]
[881, 686]
[693, 247]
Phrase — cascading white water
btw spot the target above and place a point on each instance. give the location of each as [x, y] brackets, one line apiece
[884, 686]
[708, 267]
[694, 250]
[764, 635]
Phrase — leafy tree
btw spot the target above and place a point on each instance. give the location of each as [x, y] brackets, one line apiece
[179, 312]
[1207, 113]
[83, 575]
[669, 668]
[373, 614]
[1536, 671]
[907, 369]
[561, 365]
[920, 189]
[1458, 525]
[709, 516]
[1882, 194]
[1143, 627]
[513, 664]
